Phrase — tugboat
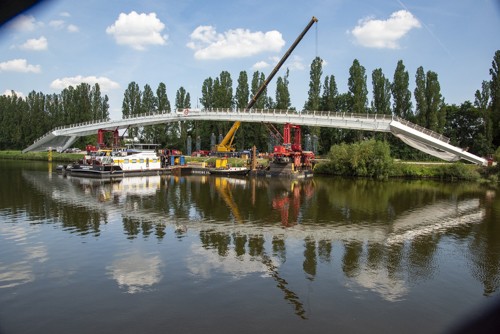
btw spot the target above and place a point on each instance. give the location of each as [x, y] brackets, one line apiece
[222, 168]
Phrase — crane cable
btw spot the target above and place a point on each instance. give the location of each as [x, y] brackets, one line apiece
[316, 35]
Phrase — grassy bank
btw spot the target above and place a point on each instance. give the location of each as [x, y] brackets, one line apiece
[372, 159]
[366, 160]
[40, 156]
[71, 157]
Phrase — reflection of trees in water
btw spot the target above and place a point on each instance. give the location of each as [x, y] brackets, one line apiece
[310, 262]
[134, 226]
[362, 204]
[484, 247]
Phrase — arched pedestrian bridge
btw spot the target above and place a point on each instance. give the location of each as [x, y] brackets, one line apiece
[413, 135]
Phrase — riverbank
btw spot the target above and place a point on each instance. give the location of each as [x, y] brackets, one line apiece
[395, 169]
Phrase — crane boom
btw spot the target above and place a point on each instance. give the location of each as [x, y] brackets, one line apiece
[226, 145]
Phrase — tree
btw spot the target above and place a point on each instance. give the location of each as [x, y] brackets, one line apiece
[258, 80]
[131, 104]
[329, 102]
[329, 99]
[381, 103]
[282, 92]
[207, 93]
[99, 105]
[223, 91]
[149, 104]
[314, 101]
[482, 102]
[434, 101]
[242, 91]
[465, 128]
[182, 101]
[357, 88]
[401, 95]
[495, 97]
[429, 112]
[421, 107]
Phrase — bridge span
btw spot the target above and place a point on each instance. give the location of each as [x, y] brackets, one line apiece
[412, 134]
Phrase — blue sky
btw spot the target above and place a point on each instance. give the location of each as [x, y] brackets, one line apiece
[182, 43]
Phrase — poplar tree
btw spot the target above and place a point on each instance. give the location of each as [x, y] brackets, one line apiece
[182, 101]
[421, 101]
[282, 92]
[329, 102]
[149, 105]
[242, 91]
[482, 103]
[223, 91]
[160, 133]
[434, 100]
[358, 91]
[258, 78]
[429, 113]
[314, 101]
[401, 95]
[495, 97]
[381, 103]
[131, 104]
[207, 93]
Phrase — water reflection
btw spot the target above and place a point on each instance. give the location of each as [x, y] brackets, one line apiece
[136, 272]
[19, 269]
[387, 233]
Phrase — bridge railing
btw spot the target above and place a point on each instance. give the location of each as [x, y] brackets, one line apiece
[314, 113]
[307, 113]
[423, 130]
[70, 126]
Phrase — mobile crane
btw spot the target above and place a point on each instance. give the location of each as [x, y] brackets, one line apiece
[226, 145]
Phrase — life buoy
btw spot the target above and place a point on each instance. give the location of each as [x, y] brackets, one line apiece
[186, 112]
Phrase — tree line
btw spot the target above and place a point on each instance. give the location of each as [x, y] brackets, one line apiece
[474, 125]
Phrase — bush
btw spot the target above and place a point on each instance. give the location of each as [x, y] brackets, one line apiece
[458, 171]
[369, 158]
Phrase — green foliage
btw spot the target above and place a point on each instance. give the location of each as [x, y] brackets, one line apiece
[358, 91]
[23, 120]
[368, 158]
[381, 103]
[313, 98]
[401, 95]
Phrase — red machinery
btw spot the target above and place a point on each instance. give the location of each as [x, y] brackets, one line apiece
[100, 138]
[292, 152]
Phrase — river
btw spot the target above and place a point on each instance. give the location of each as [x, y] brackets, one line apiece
[203, 254]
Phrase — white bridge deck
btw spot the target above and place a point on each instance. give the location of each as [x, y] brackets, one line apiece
[413, 135]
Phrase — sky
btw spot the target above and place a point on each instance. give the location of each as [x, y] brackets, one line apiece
[60, 43]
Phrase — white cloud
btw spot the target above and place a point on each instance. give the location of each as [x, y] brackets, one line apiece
[295, 63]
[292, 63]
[65, 14]
[73, 28]
[374, 33]
[260, 65]
[35, 44]
[24, 23]
[105, 84]
[19, 65]
[137, 30]
[9, 92]
[237, 43]
[57, 24]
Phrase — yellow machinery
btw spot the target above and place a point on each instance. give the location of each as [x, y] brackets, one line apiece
[226, 145]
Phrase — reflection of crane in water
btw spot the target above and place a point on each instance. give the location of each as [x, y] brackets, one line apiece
[282, 284]
[282, 202]
[223, 187]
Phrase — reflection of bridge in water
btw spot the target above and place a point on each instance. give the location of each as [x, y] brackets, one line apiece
[371, 251]
[413, 135]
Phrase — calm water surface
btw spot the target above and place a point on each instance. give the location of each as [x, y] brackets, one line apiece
[202, 254]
